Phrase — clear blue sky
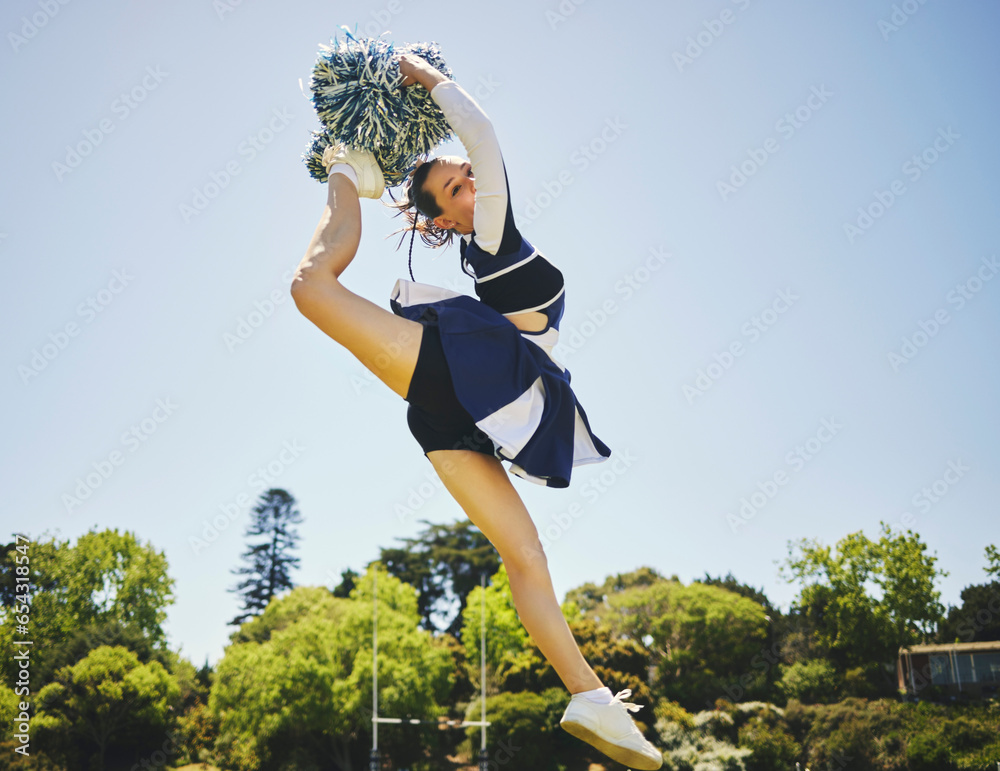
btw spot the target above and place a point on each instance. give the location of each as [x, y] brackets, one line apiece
[728, 335]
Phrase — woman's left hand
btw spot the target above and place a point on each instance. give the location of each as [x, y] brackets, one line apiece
[408, 67]
[415, 69]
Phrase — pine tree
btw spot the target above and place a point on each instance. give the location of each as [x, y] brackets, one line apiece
[268, 561]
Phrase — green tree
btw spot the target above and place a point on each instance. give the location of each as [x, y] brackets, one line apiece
[198, 730]
[744, 590]
[797, 635]
[443, 563]
[620, 662]
[785, 637]
[977, 619]
[110, 576]
[508, 650]
[269, 561]
[106, 589]
[810, 681]
[295, 686]
[993, 560]
[867, 598]
[525, 733]
[773, 748]
[348, 580]
[49, 625]
[514, 663]
[83, 639]
[38, 557]
[107, 700]
[590, 597]
[701, 639]
[9, 709]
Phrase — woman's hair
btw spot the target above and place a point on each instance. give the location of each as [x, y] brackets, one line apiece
[419, 207]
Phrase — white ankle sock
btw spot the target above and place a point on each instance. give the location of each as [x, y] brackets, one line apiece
[598, 695]
[347, 170]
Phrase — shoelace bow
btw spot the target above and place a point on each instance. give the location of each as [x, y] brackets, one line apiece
[620, 699]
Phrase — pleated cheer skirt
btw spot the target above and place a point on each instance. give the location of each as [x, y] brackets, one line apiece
[519, 396]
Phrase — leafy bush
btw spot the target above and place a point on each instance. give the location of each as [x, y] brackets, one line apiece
[866, 682]
[670, 711]
[715, 723]
[886, 735]
[82, 714]
[965, 733]
[926, 752]
[703, 745]
[743, 713]
[525, 729]
[773, 748]
[198, 729]
[810, 681]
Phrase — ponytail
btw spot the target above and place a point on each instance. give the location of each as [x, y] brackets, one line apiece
[419, 209]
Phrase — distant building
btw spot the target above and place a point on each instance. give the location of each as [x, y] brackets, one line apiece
[959, 669]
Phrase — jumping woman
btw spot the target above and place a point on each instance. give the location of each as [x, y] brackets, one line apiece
[478, 375]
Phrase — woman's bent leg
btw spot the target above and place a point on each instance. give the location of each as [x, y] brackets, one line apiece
[482, 488]
[386, 344]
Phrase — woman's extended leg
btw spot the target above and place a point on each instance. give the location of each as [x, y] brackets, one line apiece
[385, 343]
[482, 488]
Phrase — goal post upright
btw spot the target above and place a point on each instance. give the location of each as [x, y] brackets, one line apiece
[483, 757]
[375, 763]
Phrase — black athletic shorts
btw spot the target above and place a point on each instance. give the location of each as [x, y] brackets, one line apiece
[436, 418]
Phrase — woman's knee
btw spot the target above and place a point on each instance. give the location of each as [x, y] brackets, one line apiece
[525, 558]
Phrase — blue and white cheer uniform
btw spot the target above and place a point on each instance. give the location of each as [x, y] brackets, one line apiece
[506, 379]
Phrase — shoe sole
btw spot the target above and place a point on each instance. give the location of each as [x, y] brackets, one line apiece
[623, 755]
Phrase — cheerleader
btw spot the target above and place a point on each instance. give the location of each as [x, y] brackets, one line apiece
[479, 377]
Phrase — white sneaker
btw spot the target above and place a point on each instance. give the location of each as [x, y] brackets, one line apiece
[371, 183]
[610, 728]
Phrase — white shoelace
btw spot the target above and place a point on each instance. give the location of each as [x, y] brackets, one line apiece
[620, 699]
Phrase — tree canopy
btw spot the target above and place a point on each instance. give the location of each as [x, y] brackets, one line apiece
[700, 638]
[443, 563]
[507, 645]
[867, 598]
[105, 588]
[106, 699]
[298, 679]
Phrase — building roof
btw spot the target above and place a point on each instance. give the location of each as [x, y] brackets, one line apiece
[953, 647]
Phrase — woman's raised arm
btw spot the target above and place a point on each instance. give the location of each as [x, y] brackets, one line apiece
[476, 133]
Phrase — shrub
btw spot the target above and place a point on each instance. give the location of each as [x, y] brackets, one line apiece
[715, 723]
[701, 746]
[743, 713]
[926, 752]
[866, 682]
[525, 729]
[772, 746]
[881, 735]
[672, 712]
[965, 733]
[703, 753]
[810, 681]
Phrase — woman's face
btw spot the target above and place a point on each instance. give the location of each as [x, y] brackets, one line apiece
[451, 183]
